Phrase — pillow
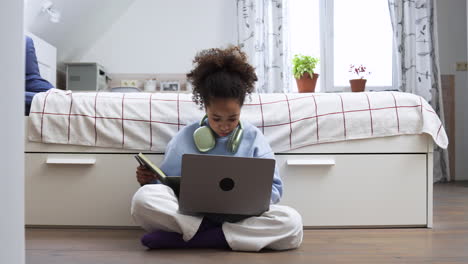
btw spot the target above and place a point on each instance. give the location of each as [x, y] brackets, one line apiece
[32, 68]
[34, 81]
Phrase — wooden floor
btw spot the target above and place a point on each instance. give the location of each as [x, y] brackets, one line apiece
[446, 243]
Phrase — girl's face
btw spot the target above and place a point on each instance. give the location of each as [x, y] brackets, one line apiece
[223, 115]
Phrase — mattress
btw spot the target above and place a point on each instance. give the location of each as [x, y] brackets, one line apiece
[147, 121]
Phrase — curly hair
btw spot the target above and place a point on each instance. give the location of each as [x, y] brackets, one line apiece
[221, 73]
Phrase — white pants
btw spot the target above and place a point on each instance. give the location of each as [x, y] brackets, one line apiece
[155, 207]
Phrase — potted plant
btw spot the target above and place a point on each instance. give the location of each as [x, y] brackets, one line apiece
[303, 71]
[359, 84]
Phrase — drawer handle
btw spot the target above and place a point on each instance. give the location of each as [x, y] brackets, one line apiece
[71, 161]
[317, 162]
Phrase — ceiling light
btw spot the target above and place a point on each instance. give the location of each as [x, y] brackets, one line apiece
[48, 8]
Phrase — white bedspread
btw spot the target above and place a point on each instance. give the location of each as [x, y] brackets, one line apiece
[147, 121]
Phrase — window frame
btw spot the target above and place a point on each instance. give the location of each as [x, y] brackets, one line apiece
[327, 45]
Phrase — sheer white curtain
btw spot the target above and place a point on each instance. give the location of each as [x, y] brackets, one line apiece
[415, 36]
[261, 25]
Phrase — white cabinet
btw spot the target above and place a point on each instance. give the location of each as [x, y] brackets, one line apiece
[356, 190]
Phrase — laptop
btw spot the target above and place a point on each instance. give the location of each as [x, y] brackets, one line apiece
[225, 185]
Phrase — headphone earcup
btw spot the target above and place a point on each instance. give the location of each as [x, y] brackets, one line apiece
[235, 140]
[204, 139]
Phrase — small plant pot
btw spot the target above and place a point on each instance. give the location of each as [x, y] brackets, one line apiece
[306, 84]
[358, 85]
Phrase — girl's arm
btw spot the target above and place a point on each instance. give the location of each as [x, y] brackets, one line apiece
[171, 164]
[263, 150]
[277, 187]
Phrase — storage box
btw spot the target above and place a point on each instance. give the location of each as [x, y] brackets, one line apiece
[86, 76]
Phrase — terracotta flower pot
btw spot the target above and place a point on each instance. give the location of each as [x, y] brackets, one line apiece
[358, 85]
[306, 84]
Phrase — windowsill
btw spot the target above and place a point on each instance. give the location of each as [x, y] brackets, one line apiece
[368, 89]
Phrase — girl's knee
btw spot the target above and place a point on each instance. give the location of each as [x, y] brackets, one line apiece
[138, 201]
[294, 219]
[292, 230]
[149, 196]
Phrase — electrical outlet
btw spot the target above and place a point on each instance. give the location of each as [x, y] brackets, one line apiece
[129, 83]
[462, 66]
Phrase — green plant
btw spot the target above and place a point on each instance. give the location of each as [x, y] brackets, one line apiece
[303, 64]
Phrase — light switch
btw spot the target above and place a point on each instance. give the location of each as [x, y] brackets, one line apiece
[462, 66]
[129, 83]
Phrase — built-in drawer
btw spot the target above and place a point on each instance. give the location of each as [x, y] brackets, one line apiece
[356, 190]
[80, 189]
[328, 190]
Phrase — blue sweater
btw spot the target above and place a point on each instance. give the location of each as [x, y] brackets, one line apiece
[253, 144]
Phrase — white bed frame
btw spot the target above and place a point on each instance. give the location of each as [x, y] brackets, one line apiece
[383, 182]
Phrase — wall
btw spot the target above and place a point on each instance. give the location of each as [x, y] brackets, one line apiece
[160, 36]
[11, 133]
[452, 30]
[81, 23]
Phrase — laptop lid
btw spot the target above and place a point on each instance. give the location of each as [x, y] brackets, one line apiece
[225, 184]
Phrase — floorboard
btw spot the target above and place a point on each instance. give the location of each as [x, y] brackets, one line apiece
[447, 242]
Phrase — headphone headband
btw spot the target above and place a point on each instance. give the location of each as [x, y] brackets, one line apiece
[202, 122]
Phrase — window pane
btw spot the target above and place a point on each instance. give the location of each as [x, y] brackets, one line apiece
[363, 35]
[304, 31]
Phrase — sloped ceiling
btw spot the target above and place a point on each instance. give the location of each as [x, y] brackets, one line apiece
[82, 23]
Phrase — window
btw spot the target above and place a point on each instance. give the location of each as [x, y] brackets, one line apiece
[343, 32]
[305, 31]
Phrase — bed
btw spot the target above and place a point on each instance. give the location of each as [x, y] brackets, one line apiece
[347, 159]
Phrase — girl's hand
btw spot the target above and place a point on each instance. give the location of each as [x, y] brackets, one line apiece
[144, 176]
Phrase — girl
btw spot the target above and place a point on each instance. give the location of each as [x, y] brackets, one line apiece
[221, 79]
